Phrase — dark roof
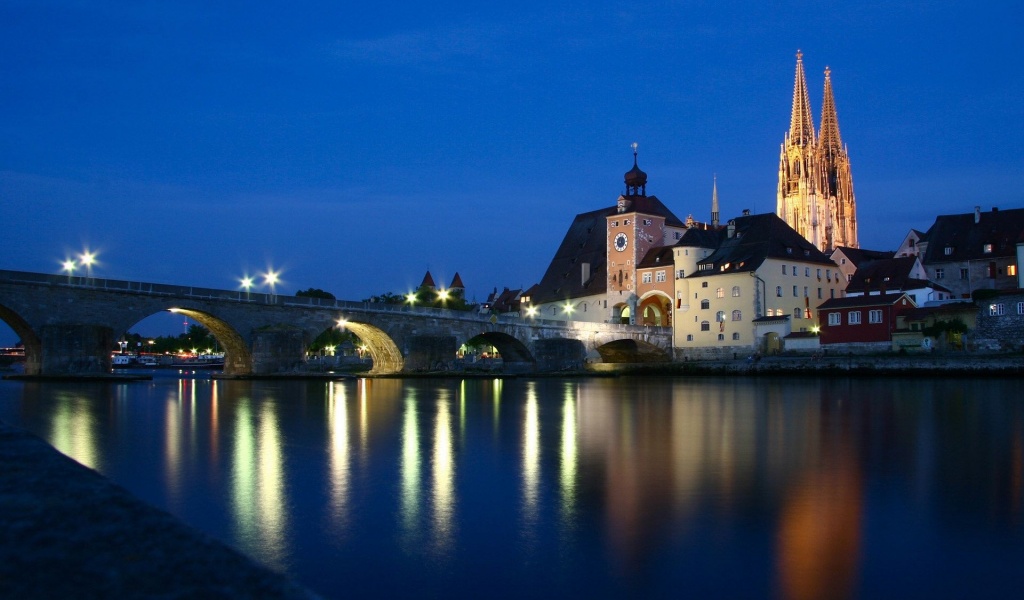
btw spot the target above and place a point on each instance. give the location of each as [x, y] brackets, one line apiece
[771, 319]
[659, 256]
[943, 310]
[699, 238]
[586, 242]
[428, 281]
[801, 334]
[756, 238]
[966, 239]
[861, 256]
[855, 301]
[457, 283]
[891, 273]
[505, 301]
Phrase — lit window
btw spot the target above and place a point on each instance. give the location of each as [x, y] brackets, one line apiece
[720, 316]
[874, 316]
[987, 248]
[853, 318]
[1011, 270]
[996, 310]
[835, 318]
[720, 293]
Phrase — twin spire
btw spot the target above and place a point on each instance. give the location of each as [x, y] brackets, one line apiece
[801, 121]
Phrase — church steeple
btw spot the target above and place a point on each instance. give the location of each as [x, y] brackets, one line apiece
[636, 180]
[714, 203]
[801, 121]
[830, 142]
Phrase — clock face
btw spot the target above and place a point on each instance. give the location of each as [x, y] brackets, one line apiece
[620, 242]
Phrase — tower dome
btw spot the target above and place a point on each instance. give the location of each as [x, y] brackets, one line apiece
[636, 180]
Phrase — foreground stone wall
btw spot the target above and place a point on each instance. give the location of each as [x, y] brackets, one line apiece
[66, 532]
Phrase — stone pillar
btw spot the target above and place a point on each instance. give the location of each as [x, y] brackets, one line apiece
[559, 355]
[278, 350]
[430, 353]
[75, 349]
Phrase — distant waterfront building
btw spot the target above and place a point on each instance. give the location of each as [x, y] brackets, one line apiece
[815, 193]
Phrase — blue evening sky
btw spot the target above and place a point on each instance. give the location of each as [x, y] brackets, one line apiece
[356, 145]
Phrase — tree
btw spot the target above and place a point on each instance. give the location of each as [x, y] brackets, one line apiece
[315, 293]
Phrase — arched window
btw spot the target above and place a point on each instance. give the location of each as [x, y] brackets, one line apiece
[705, 326]
[705, 304]
[797, 313]
[720, 316]
[735, 291]
[720, 293]
[737, 315]
[736, 335]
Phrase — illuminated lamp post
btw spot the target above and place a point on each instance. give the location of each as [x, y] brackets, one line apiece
[246, 282]
[271, 278]
[69, 266]
[88, 258]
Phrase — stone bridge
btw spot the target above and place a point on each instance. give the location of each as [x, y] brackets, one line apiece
[70, 324]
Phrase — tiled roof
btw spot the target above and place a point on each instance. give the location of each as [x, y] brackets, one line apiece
[756, 238]
[861, 256]
[966, 239]
[854, 301]
[659, 256]
[890, 273]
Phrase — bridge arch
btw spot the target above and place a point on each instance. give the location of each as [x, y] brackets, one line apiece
[237, 356]
[387, 358]
[654, 309]
[29, 338]
[513, 352]
[632, 351]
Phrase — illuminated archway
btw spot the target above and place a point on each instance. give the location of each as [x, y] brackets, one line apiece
[386, 356]
[513, 353]
[29, 339]
[237, 357]
[632, 351]
[621, 313]
[655, 310]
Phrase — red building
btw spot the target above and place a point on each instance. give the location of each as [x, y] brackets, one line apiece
[861, 318]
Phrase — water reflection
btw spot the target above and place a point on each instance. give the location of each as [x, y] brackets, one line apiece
[630, 486]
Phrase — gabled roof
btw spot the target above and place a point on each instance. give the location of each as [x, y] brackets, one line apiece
[966, 239]
[699, 238]
[860, 256]
[428, 281]
[756, 238]
[659, 256]
[858, 301]
[891, 274]
[586, 242]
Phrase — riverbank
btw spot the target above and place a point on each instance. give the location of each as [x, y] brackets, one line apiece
[67, 532]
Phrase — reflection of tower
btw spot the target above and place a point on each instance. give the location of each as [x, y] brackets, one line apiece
[815, 193]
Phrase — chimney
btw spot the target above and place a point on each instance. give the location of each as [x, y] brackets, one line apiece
[977, 214]
[746, 212]
[732, 228]
[584, 273]
[995, 209]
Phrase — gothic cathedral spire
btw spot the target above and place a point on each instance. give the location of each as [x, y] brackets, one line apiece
[815, 193]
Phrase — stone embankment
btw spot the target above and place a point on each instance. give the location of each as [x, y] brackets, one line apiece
[67, 532]
[837, 365]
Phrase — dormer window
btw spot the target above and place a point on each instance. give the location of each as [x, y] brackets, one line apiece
[789, 250]
[948, 250]
[807, 252]
[987, 248]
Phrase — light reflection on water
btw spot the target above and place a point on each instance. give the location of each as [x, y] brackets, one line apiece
[607, 487]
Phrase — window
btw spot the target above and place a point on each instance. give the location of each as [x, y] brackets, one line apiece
[964, 273]
[1011, 270]
[703, 284]
[805, 292]
[996, 310]
[720, 316]
[835, 318]
[853, 318]
[705, 304]
[795, 272]
[680, 274]
[615, 223]
[737, 315]
[659, 276]
[689, 337]
[783, 269]
[797, 313]
[795, 291]
[987, 248]
[705, 326]
[647, 221]
[948, 250]
[646, 277]
[735, 291]
[831, 293]
[874, 316]
[678, 235]
[807, 272]
[721, 337]
[819, 273]
[736, 335]
[991, 270]
[849, 278]
[828, 274]
[720, 293]
[778, 291]
[940, 273]
[842, 261]
[1020, 308]
[819, 293]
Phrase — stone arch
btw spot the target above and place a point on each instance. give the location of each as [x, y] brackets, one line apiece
[387, 358]
[513, 352]
[621, 313]
[237, 355]
[29, 338]
[655, 309]
[632, 351]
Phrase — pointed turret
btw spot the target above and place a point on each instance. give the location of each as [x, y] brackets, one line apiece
[714, 203]
[456, 285]
[428, 281]
[829, 140]
[801, 122]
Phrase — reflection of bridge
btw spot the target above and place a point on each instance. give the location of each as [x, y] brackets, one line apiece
[70, 324]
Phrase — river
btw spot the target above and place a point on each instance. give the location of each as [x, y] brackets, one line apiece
[553, 487]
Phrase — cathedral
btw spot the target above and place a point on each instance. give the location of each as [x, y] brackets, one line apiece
[815, 194]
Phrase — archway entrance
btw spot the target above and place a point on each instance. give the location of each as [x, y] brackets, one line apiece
[655, 311]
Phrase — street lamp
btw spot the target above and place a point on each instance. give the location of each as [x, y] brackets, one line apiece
[69, 266]
[246, 282]
[271, 278]
[88, 258]
[411, 298]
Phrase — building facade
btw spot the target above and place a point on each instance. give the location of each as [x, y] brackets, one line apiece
[815, 192]
[862, 319]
